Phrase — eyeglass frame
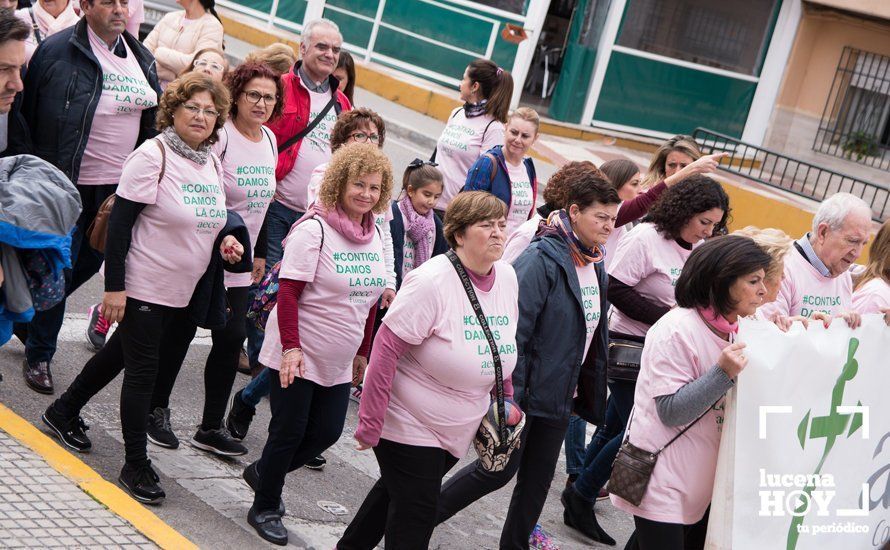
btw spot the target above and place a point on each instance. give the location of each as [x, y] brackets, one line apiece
[194, 110]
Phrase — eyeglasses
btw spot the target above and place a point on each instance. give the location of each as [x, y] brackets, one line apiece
[255, 97]
[362, 137]
[201, 63]
[194, 110]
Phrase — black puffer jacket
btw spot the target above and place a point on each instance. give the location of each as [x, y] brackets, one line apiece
[62, 89]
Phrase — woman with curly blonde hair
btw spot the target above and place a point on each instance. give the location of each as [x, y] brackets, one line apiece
[331, 276]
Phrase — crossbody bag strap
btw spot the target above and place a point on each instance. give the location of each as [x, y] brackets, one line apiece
[691, 424]
[37, 37]
[483, 324]
[309, 127]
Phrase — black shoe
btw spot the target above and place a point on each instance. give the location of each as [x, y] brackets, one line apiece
[70, 431]
[160, 432]
[218, 442]
[239, 418]
[579, 515]
[268, 526]
[316, 463]
[252, 476]
[142, 483]
[38, 376]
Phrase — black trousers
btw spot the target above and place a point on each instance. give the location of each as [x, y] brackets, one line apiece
[402, 504]
[534, 464]
[307, 418]
[220, 369]
[657, 535]
[146, 338]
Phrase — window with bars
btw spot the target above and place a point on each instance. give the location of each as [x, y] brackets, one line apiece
[855, 123]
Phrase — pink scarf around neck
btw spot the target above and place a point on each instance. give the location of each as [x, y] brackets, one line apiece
[717, 321]
[359, 233]
[418, 229]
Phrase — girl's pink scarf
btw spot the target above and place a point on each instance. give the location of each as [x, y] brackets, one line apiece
[359, 233]
[418, 228]
[718, 322]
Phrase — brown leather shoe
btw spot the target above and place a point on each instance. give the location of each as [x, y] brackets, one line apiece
[243, 362]
[38, 376]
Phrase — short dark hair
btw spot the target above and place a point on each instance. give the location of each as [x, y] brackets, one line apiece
[348, 63]
[349, 121]
[591, 187]
[558, 185]
[619, 171]
[691, 196]
[238, 79]
[13, 28]
[713, 267]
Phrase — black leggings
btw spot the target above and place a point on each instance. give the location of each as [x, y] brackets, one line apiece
[657, 535]
[402, 504]
[307, 418]
[220, 369]
[149, 335]
[534, 464]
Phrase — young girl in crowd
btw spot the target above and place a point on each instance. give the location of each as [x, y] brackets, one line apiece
[416, 232]
[476, 127]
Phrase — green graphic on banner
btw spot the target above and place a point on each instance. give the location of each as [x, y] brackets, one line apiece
[829, 428]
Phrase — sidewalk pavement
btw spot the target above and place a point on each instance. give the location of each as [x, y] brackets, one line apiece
[50, 499]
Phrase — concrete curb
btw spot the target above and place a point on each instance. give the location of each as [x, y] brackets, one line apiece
[89, 481]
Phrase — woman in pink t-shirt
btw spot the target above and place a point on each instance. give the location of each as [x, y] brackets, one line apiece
[432, 375]
[506, 172]
[872, 292]
[486, 90]
[248, 155]
[319, 332]
[688, 364]
[169, 211]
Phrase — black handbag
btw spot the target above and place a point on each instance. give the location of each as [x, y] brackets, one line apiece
[625, 353]
[633, 466]
[493, 444]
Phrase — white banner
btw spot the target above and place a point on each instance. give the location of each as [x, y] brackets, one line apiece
[805, 452]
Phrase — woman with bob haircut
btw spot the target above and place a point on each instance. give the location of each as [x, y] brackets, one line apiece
[428, 387]
[689, 362]
[157, 250]
[319, 332]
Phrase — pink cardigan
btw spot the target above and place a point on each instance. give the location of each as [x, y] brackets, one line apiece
[174, 44]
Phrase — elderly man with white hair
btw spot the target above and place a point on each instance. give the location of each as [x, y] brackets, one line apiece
[817, 283]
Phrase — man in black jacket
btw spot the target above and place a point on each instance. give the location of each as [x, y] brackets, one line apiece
[87, 109]
[13, 133]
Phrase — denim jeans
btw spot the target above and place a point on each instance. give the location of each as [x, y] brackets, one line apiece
[576, 443]
[279, 220]
[606, 441]
[43, 330]
[259, 387]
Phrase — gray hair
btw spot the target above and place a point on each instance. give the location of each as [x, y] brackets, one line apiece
[311, 26]
[834, 210]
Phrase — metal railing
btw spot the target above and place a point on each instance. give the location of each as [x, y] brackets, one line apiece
[790, 174]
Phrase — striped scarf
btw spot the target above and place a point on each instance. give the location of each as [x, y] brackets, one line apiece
[558, 224]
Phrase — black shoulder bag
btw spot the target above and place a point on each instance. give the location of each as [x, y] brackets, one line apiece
[493, 444]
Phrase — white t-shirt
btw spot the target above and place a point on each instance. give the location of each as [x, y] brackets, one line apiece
[650, 262]
[173, 236]
[590, 297]
[345, 279]
[680, 348]
[518, 240]
[249, 175]
[441, 389]
[804, 291]
[461, 143]
[612, 243]
[521, 202]
[314, 150]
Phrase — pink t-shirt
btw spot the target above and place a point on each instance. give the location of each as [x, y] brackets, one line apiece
[408, 247]
[136, 12]
[315, 185]
[679, 348]
[520, 238]
[345, 279]
[461, 143]
[173, 236]
[612, 243]
[804, 291]
[441, 388]
[651, 263]
[590, 298]
[115, 127]
[315, 149]
[872, 297]
[521, 203]
[249, 175]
